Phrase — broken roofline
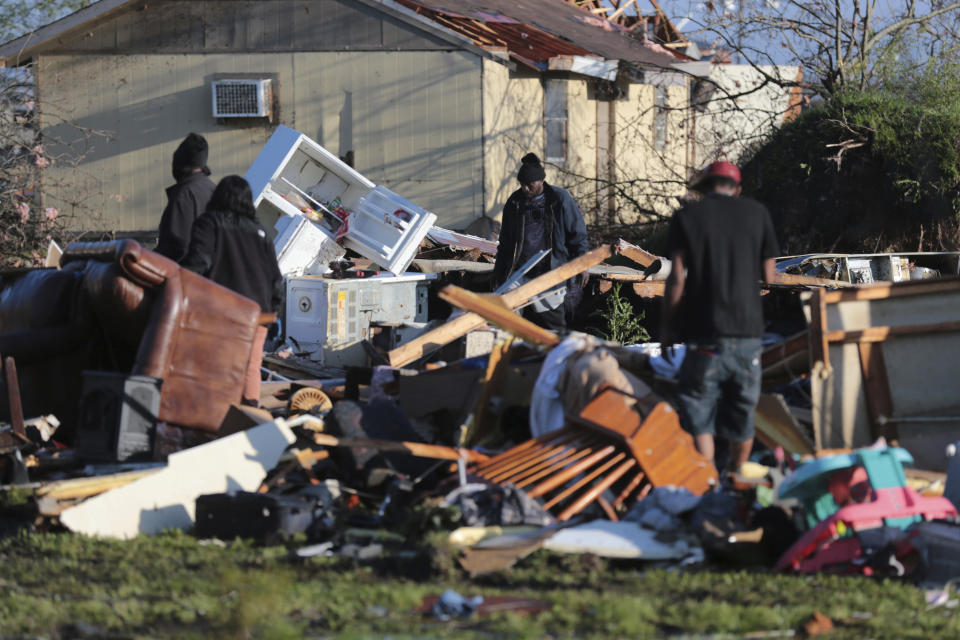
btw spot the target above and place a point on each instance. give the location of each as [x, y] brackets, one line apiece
[557, 54]
[20, 51]
[538, 48]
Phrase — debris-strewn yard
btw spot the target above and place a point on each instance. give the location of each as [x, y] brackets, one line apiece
[174, 586]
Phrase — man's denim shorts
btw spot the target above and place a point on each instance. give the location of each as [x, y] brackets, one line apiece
[719, 386]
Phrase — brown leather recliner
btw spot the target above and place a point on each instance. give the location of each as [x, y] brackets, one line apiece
[118, 306]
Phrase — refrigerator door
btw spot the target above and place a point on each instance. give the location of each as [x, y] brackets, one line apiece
[387, 229]
[294, 175]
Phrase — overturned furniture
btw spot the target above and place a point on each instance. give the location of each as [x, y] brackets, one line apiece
[612, 454]
[116, 306]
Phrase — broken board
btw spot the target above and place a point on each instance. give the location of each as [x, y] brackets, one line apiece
[166, 499]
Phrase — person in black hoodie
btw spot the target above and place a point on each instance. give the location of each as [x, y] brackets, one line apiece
[229, 246]
[540, 216]
[187, 199]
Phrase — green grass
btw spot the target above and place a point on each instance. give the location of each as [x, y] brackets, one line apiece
[176, 587]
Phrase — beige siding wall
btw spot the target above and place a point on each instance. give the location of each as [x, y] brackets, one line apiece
[579, 174]
[411, 118]
[512, 126]
[728, 127]
[652, 175]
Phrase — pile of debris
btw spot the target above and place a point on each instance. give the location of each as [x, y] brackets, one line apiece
[399, 402]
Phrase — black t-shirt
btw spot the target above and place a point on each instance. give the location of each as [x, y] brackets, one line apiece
[725, 241]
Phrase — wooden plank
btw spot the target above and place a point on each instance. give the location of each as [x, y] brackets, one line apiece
[819, 349]
[650, 288]
[879, 334]
[492, 309]
[625, 277]
[894, 290]
[635, 253]
[419, 449]
[86, 487]
[791, 279]
[461, 325]
[497, 365]
[876, 386]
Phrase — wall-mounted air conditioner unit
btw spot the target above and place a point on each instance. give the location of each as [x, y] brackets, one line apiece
[242, 98]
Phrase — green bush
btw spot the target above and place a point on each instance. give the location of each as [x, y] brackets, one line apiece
[876, 170]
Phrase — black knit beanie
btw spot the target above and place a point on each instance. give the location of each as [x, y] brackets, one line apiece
[190, 155]
[530, 170]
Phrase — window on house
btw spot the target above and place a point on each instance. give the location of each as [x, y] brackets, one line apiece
[555, 120]
[660, 117]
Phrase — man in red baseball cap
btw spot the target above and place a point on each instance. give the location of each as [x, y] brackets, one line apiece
[721, 247]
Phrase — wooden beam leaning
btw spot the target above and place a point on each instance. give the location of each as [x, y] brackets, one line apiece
[491, 308]
[461, 325]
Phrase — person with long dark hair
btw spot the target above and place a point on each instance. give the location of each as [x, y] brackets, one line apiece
[229, 246]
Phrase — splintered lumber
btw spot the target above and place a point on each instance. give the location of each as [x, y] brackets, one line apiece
[635, 253]
[53, 497]
[460, 326]
[419, 449]
[86, 487]
[491, 308]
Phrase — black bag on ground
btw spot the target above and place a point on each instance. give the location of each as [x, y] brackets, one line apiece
[260, 516]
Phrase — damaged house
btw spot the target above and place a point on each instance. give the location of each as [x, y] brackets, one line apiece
[436, 100]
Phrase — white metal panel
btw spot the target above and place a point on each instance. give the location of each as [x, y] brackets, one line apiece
[329, 318]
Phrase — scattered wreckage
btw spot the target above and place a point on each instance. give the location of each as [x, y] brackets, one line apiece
[378, 405]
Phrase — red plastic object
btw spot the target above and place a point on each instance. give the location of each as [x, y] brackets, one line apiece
[828, 545]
